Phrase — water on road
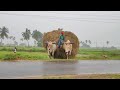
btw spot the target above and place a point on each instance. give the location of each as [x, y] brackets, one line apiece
[34, 68]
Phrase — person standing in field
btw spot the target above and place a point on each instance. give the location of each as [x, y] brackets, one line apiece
[61, 40]
[15, 50]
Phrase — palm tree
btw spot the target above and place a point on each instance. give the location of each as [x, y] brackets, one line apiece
[37, 35]
[107, 43]
[26, 35]
[3, 33]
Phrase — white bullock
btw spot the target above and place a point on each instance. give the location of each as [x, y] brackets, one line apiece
[68, 47]
[51, 48]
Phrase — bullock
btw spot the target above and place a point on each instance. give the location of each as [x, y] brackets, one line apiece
[67, 47]
[51, 48]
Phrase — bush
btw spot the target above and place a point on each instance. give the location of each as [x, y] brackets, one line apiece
[25, 49]
[10, 57]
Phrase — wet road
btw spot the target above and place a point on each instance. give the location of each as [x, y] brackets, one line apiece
[11, 70]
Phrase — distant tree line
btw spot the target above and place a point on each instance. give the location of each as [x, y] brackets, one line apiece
[87, 43]
[36, 35]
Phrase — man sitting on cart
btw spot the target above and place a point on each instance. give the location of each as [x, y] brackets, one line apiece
[61, 40]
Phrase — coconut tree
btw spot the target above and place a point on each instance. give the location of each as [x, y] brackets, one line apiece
[3, 33]
[107, 42]
[26, 35]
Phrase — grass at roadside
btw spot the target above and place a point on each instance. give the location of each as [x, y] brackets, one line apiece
[98, 54]
[6, 55]
[23, 49]
[35, 53]
[83, 76]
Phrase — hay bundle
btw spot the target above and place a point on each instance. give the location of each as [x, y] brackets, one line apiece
[54, 36]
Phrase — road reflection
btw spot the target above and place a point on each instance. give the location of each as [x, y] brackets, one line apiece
[59, 67]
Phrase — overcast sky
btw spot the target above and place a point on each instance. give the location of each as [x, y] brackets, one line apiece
[97, 26]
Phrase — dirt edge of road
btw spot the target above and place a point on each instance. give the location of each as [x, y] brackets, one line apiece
[81, 76]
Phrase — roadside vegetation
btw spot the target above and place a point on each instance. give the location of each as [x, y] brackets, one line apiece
[98, 54]
[82, 76]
